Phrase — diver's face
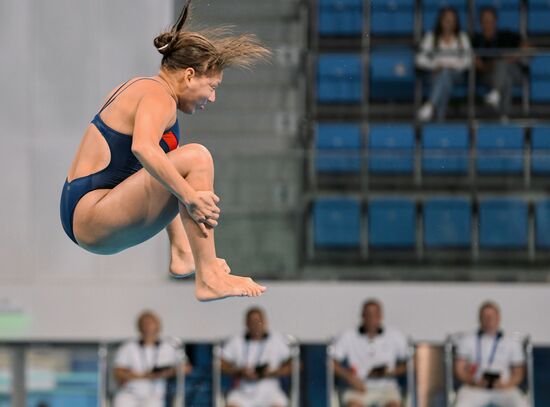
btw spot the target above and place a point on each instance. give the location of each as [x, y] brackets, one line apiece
[199, 90]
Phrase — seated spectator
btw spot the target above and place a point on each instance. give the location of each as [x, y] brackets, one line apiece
[375, 355]
[446, 54]
[256, 360]
[498, 72]
[142, 366]
[489, 364]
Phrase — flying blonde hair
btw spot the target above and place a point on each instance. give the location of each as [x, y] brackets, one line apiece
[209, 50]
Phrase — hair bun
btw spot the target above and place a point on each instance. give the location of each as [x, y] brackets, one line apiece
[163, 42]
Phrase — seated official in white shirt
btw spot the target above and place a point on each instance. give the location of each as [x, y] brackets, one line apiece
[256, 361]
[142, 366]
[375, 356]
[490, 365]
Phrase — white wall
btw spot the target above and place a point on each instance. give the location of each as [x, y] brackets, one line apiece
[59, 59]
[312, 311]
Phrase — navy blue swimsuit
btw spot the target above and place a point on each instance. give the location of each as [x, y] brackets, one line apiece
[123, 164]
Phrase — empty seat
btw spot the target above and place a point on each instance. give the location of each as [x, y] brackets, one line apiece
[542, 224]
[508, 13]
[392, 74]
[338, 148]
[337, 222]
[445, 149]
[340, 17]
[392, 17]
[540, 150]
[447, 223]
[538, 15]
[430, 10]
[391, 149]
[392, 223]
[339, 78]
[499, 149]
[540, 79]
[503, 223]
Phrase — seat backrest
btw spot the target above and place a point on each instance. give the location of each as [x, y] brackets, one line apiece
[447, 222]
[503, 223]
[337, 222]
[392, 64]
[392, 223]
[338, 136]
[340, 17]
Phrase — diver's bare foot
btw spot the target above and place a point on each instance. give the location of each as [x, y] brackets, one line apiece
[217, 284]
[182, 263]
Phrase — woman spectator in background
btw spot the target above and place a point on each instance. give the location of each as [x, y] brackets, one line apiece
[446, 54]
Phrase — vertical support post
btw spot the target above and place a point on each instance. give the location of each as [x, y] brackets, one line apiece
[179, 399]
[449, 378]
[18, 396]
[330, 377]
[295, 374]
[217, 375]
[103, 374]
[411, 366]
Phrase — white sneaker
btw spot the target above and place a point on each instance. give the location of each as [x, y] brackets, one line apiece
[426, 112]
[493, 98]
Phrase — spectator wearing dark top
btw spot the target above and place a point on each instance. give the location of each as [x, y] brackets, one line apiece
[498, 68]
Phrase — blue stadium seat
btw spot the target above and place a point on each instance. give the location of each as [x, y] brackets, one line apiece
[540, 150]
[540, 79]
[392, 74]
[338, 148]
[503, 223]
[340, 17]
[339, 78]
[500, 149]
[542, 224]
[508, 13]
[337, 222]
[392, 17]
[430, 10]
[538, 15]
[392, 223]
[447, 223]
[391, 149]
[445, 149]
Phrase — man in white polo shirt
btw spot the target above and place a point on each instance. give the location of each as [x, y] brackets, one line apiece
[142, 366]
[256, 361]
[490, 364]
[369, 359]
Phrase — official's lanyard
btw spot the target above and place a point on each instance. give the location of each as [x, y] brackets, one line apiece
[143, 357]
[261, 349]
[493, 350]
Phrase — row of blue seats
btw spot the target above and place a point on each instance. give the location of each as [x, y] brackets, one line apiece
[447, 223]
[392, 75]
[445, 149]
[397, 17]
